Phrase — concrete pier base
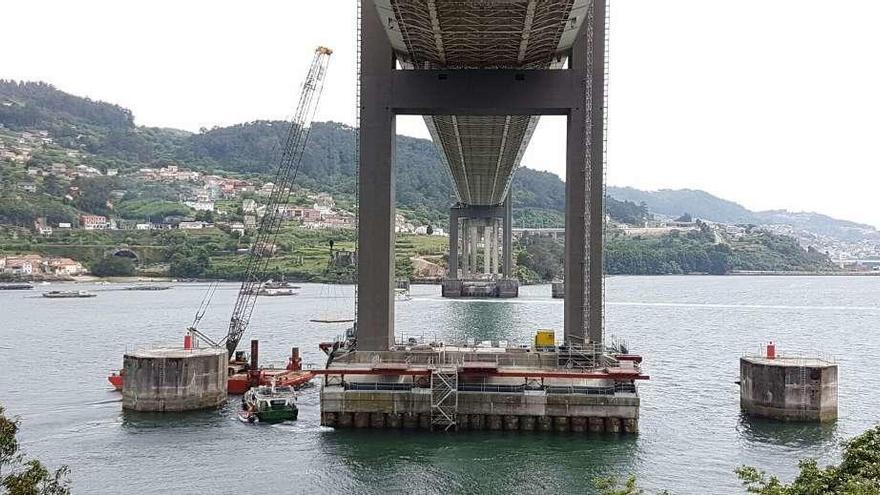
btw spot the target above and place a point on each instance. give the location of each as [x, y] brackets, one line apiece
[346, 420]
[511, 422]
[476, 421]
[789, 389]
[394, 421]
[174, 379]
[480, 422]
[494, 422]
[612, 425]
[560, 424]
[410, 421]
[361, 420]
[501, 288]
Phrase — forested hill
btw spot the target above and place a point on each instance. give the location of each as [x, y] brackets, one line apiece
[108, 132]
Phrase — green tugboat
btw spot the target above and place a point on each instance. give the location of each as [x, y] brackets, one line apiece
[269, 404]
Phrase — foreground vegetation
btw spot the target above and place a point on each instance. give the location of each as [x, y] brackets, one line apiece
[20, 475]
[857, 474]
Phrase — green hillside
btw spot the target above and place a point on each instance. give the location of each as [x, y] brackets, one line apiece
[108, 134]
[95, 134]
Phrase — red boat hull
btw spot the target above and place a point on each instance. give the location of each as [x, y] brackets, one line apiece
[116, 380]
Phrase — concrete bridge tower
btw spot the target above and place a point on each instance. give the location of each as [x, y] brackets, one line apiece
[481, 78]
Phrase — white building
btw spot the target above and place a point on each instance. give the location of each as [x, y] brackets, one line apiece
[193, 225]
[200, 205]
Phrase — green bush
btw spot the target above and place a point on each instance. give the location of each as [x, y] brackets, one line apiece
[113, 266]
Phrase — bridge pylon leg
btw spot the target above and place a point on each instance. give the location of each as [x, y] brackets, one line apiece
[375, 317]
[584, 191]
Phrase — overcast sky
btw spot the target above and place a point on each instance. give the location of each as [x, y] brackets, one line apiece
[773, 104]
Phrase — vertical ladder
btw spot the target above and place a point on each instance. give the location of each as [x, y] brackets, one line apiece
[606, 76]
[803, 381]
[444, 397]
[162, 373]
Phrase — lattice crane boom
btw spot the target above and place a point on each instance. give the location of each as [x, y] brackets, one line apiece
[288, 165]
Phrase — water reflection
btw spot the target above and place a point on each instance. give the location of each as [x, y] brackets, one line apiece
[788, 434]
[481, 320]
[548, 462]
[139, 420]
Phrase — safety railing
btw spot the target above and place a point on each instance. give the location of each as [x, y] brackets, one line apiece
[358, 386]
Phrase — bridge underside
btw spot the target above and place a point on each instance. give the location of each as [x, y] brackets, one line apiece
[481, 152]
[481, 72]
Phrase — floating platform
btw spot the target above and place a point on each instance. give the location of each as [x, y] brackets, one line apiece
[789, 388]
[485, 288]
[442, 388]
[16, 286]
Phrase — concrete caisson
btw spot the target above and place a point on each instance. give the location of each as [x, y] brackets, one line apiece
[789, 389]
[174, 379]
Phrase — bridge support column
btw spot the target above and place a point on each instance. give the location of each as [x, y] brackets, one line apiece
[473, 248]
[465, 252]
[487, 246]
[494, 248]
[452, 271]
[584, 194]
[375, 317]
[507, 248]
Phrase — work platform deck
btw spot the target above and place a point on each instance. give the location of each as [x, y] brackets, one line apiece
[437, 387]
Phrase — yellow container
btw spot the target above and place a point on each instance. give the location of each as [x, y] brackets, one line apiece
[545, 338]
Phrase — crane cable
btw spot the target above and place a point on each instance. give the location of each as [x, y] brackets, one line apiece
[267, 234]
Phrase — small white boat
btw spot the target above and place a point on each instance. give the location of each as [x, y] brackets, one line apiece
[402, 295]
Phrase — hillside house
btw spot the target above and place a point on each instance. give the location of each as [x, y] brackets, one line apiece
[195, 225]
[29, 187]
[94, 222]
[63, 267]
[25, 265]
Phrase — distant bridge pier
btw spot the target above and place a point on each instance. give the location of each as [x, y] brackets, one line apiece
[476, 231]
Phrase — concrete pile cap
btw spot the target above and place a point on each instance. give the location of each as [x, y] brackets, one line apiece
[793, 362]
[176, 352]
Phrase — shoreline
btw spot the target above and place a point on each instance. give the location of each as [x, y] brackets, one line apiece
[85, 279]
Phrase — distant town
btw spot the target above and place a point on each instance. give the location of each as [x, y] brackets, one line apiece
[215, 194]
